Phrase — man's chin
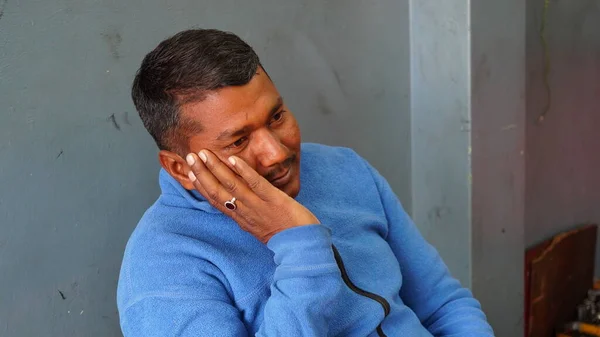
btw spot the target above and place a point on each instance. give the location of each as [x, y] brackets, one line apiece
[292, 188]
[290, 183]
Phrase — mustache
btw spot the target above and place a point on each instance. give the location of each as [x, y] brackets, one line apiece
[284, 166]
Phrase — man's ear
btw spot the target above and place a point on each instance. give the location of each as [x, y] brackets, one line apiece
[177, 167]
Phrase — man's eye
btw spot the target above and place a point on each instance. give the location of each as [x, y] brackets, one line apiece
[278, 116]
[239, 142]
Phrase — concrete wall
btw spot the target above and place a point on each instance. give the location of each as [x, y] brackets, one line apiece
[498, 164]
[563, 152]
[468, 115]
[77, 169]
[440, 119]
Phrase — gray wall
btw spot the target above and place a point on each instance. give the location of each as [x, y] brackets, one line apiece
[563, 152]
[497, 161]
[440, 119]
[77, 169]
[468, 115]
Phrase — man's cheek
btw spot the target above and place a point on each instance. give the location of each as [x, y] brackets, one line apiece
[291, 139]
[250, 161]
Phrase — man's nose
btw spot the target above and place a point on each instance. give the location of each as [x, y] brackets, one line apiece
[269, 149]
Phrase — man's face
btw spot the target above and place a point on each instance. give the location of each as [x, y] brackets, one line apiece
[253, 123]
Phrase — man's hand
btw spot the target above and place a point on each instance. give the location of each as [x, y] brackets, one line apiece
[262, 209]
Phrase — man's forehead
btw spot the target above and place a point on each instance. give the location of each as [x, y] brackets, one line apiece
[238, 128]
[221, 110]
[226, 111]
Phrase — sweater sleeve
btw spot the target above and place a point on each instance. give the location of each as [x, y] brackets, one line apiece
[306, 284]
[442, 305]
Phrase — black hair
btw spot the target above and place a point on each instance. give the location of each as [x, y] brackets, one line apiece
[182, 69]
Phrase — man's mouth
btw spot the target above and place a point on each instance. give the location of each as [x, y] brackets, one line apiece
[282, 179]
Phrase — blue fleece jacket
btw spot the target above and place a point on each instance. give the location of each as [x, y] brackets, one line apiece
[189, 270]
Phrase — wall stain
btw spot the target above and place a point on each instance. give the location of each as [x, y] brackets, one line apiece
[482, 72]
[62, 295]
[465, 125]
[337, 76]
[126, 118]
[547, 63]
[438, 212]
[322, 105]
[337, 79]
[60, 153]
[113, 39]
[2, 6]
[113, 119]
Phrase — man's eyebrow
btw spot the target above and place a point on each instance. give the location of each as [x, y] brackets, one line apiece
[277, 106]
[227, 134]
[233, 133]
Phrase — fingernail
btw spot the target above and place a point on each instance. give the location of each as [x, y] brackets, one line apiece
[192, 176]
[190, 159]
[202, 156]
[232, 161]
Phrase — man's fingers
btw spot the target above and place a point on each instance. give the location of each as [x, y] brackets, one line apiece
[211, 199]
[205, 182]
[218, 202]
[228, 179]
[255, 181]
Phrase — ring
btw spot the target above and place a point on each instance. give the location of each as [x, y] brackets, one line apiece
[230, 204]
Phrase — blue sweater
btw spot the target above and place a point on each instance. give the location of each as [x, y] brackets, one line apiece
[189, 270]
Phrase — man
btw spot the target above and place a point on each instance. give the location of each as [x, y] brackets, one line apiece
[256, 234]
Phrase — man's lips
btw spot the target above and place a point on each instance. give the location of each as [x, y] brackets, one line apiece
[284, 176]
[281, 179]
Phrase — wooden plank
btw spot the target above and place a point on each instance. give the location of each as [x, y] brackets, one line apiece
[530, 255]
[561, 272]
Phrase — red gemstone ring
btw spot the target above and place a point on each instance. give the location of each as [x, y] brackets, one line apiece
[230, 204]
